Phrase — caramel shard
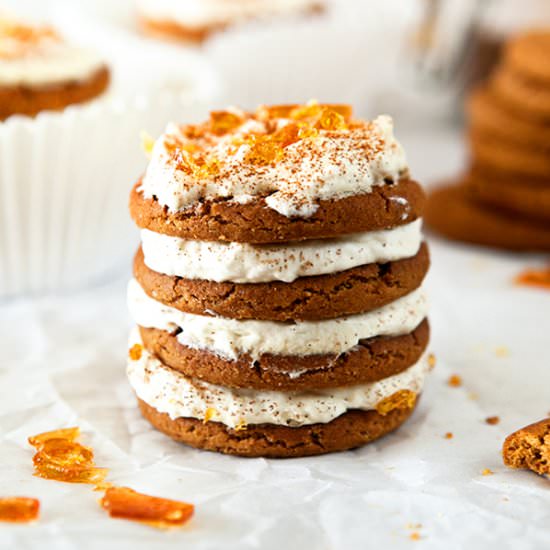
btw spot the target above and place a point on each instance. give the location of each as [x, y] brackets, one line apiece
[432, 361]
[147, 143]
[19, 509]
[529, 448]
[69, 434]
[61, 458]
[449, 435]
[492, 420]
[402, 399]
[210, 413]
[487, 472]
[125, 503]
[535, 277]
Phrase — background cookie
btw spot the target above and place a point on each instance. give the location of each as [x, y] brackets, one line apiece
[451, 212]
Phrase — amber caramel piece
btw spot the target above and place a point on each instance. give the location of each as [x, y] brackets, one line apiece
[222, 122]
[402, 399]
[69, 434]
[61, 458]
[535, 277]
[135, 352]
[331, 120]
[125, 503]
[19, 509]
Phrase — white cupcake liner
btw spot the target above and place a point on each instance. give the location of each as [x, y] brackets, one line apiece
[65, 179]
[344, 55]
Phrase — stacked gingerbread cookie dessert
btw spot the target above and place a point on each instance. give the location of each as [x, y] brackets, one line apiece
[278, 289]
[504, 198]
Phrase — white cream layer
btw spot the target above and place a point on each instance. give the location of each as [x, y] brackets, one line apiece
[172, 393]
[248, 263]
[52, 62]
[230, 337]
[333, 165]
[206, 13]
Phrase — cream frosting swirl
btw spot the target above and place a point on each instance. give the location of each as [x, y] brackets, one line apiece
[171, 392]
[248, 263]
[231, 337]
[292, 160]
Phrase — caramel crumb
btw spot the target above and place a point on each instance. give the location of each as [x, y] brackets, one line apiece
[534, 277]
[472, 396]
[454, 381]
[492, 420]
[415, 535]
[449, 435]
[147, 143]
[135, 352]
[487, 472]
[241, 426]
[432, 361]
[210, 413]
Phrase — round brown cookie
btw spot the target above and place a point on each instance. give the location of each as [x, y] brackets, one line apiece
[387, 206]
[373, 359]
[30, 100]
[523, 95]
[488, 116]
[356, 290]
[350, 430]
[511, 194]
[529, 53]
[502, 155]
[529, 448]
[453, 213]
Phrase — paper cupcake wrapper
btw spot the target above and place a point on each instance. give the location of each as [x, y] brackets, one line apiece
[64, 185]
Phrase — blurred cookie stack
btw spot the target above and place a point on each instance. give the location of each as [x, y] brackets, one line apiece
[503, 200]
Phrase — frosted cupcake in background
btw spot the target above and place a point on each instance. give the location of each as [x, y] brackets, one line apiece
[194, 21]
[39, 71]
[65, 164]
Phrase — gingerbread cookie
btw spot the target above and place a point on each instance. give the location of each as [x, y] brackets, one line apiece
[373, 359]
[529, 448]
[453, 212]
[344, 293]
[348, 431]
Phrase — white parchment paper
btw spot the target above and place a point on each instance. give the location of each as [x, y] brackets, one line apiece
[62, 363]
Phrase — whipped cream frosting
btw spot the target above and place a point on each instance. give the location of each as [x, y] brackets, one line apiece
[247, 263]
[37, 56]
[207, 13]
[231, 337]
[322, 164]
[171, 392]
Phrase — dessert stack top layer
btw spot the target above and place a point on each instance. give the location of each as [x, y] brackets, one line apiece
[293, 156]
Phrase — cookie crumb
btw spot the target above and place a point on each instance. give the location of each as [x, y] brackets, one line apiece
[449, 435]
[529, 448]
[455, 381]
[487, 472]
[473, 396]
[492, 420]
[534, 277]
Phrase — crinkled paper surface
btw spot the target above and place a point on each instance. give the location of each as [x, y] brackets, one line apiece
[62, 363]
